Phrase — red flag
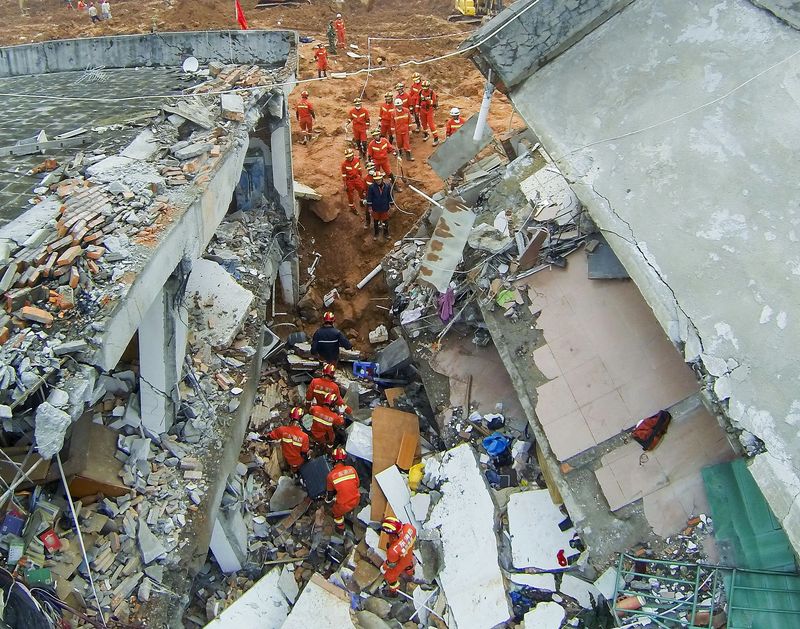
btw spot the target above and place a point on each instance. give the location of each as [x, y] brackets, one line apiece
[240, 16]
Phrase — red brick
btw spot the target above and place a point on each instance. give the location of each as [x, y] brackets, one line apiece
[31, 313]
[68, 257]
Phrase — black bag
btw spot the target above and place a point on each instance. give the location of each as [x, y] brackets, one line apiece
[649, 431]
[315, 476]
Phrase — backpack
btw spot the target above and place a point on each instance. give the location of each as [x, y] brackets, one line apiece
[649, 431]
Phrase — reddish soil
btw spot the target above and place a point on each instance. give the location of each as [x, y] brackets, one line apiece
[348, 251]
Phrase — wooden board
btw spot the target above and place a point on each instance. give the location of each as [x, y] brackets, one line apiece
[409, 445]
[388, 427]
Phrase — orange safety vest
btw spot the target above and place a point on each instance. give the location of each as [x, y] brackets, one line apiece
[304, 108]
[386, 112]
[343, 479]
[401, 119]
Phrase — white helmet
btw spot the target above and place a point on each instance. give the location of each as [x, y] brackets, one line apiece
[338, 15]
[398, 102]
[455, 111]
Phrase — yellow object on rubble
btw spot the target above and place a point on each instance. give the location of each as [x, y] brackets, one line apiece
[415, 475]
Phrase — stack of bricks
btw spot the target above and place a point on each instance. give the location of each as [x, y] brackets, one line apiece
[226, 77]
[59, 258]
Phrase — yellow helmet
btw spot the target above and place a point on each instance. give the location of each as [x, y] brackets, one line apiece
[400, 86]
[426, 84]
[348, 153]
[356, 101]
[376, 133]
[416, 77]
[388, 96]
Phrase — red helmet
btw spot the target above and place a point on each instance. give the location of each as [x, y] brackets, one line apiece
[331, 399]
[391, 525]
[339, 454]
[297, 412]
[328, 369]
[329, 317]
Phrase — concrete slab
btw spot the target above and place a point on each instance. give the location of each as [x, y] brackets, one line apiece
[302, 191]
[359, 441]
[219, 320]
[321, 604]
[223, 550]
[699, 160]
[263, 605]
[459, 149]
[583, 592]
[465, 517]
[546, 582]
[546, 615]
[533, 527]
[288, 584]
[395, 488]
[549, 192]
[288, 494]
[446, 245]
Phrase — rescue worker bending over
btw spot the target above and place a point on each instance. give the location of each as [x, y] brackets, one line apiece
[399, 554]
[454, 122]
[319, 387]
[343, 486]
[293, 440]
[325, 420]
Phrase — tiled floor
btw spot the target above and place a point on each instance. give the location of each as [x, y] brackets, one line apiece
[668, 478]
[609, 362]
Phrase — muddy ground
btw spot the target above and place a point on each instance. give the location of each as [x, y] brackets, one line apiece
[348, 251]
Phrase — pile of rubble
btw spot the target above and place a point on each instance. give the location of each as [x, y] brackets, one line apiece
[94, 220]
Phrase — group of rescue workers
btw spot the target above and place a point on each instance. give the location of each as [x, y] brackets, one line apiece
[329, 412]
[390, 137]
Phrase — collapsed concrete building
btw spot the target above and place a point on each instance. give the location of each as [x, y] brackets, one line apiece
[121, 158]
[671, 146]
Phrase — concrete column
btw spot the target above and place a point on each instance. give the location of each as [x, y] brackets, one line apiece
[162, 345]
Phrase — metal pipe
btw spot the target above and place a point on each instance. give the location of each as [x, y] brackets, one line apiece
[483, 115]
[369, 277]
[426, 197]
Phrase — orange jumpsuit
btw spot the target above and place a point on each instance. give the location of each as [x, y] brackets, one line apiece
[400, 557]
[413, 100]
[343, 479]
[338, 25]
[294, 444]
[356, 190]
[401, 121]
[403, 96]
[451, 126]
[321, 56]
[386, 119]
[428, 101]
[359, 117]
[324, 421]
[304, 111]
[318, 388]
[378, 152]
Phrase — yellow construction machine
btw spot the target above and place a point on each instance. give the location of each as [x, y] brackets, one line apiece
[475, 10]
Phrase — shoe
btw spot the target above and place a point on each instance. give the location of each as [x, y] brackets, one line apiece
[436, 141]
[425, 136]
[410, 156]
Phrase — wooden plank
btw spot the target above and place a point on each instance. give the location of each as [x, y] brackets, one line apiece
[388, 427]
[408, 450]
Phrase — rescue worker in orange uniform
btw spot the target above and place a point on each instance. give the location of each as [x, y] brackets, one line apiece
[401, 124]
[319, 387]
[293, 440]
[304, 111]
[354, 185]
[413, 97]
[399, 554]
[400, 92]
[428, 104]
[321, 57]
[338, 25]
[378, 153]
[359, 119]
[386, 117]
[343, 486]
[454, 122]
[325, 420]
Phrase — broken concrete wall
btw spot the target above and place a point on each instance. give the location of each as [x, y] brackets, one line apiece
[529, 34]
[709, 183]
[787, 10]
[268, 48]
